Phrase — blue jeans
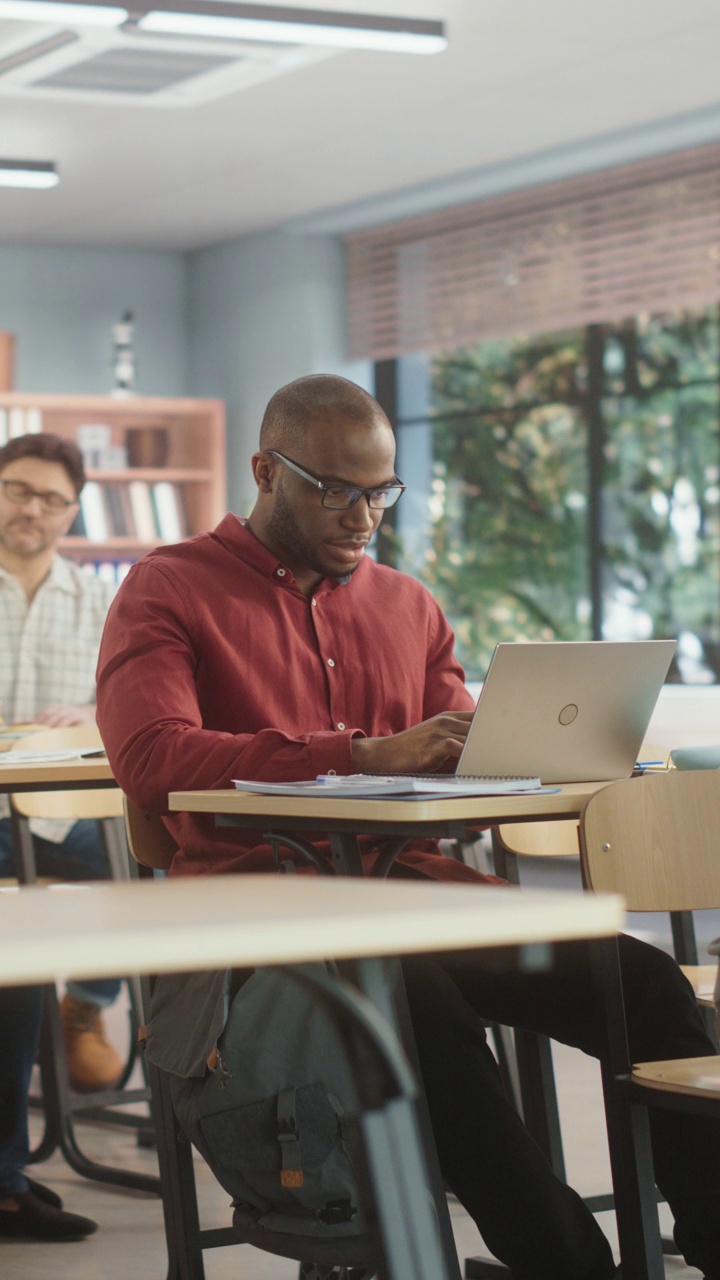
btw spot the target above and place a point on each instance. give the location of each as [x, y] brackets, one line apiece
[21, 1011]
[80, 856]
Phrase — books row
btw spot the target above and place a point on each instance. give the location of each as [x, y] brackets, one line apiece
[19, 422]
[135, 509]
[107, 570]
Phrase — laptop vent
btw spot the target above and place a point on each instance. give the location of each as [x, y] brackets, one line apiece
[134, 71]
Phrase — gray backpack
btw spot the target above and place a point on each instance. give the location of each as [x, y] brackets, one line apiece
[276, 1109]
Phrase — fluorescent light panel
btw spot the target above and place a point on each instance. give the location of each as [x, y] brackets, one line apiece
[314, 27]
[28, 173]
[221, 19]
[95, 15]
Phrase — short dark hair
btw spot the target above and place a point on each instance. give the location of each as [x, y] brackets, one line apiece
[48, 448]
[317, 397]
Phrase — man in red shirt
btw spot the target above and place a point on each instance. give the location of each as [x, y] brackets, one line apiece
[276, 649]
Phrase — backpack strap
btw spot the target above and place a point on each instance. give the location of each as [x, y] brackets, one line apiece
[291, 1173]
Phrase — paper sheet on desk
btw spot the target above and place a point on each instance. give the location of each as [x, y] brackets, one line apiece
[43, 757]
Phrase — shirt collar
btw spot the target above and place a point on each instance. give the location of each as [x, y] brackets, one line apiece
[60, 577]
[234, 533]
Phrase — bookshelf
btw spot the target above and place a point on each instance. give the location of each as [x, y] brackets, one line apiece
[188, 433]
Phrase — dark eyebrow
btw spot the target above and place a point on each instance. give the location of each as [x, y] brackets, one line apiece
[351, 484]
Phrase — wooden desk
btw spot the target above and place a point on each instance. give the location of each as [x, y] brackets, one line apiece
[427, 817]
[56, 775]
[212, 922]
[344, 819]
[209, 922]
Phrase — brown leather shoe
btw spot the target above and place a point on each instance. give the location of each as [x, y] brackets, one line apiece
[93, 1063]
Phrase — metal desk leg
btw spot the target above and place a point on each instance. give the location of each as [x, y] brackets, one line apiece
[628, 1129]
[382, 982]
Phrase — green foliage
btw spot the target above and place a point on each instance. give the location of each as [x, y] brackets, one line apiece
[509, 555]
[508, 558]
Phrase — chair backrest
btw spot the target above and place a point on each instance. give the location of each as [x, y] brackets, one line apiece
[105, 802]
[655, 840]
[148, 838]
[555, 839]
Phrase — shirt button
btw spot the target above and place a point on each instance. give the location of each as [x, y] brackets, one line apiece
[331, 662]
[314, 602]
[281, 573]
[340, 724]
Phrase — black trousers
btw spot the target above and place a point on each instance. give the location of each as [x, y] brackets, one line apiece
[530, 1220]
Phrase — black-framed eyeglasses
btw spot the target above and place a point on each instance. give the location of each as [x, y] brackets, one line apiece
[17, 492]
[341, 497]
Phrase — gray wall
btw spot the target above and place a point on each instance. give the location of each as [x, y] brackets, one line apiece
[235, 321]
[62, 303]
[264, 310]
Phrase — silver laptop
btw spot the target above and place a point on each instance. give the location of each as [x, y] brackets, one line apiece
[565, 711]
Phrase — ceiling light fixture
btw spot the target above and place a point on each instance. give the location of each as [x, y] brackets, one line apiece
[28, 173]
[96, 15]
[226, 20]
[229, 21]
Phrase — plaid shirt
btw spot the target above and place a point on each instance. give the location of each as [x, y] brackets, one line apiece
[49, 650]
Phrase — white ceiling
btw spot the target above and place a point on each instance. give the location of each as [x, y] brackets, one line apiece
[520, 77]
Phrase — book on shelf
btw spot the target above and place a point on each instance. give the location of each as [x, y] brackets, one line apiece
[128, 515]
[396, 787]
[169, 511]
[117, 511]
[77, 528]
[19, 422]
[105, 571]
[94, 512]
[142, 510]
[16, 423]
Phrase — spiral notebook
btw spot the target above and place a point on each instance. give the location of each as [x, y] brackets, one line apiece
[395, 786]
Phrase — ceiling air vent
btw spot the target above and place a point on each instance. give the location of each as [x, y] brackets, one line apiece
[120, 65]
[134, 71]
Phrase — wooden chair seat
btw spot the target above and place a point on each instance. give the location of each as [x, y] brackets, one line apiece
[690, 1076]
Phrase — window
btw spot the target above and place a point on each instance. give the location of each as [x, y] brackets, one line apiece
[567, 486]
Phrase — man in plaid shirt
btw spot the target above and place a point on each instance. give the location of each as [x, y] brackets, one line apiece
[51, 620]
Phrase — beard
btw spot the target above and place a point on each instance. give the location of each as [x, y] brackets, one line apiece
[286, 532]
[22, 538]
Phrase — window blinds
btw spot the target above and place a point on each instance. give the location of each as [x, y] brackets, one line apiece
[641, 237]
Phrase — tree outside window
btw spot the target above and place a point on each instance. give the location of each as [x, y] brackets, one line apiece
[567, 486]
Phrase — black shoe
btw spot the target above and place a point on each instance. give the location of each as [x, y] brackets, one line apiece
[38, 1220]
[44, 1193]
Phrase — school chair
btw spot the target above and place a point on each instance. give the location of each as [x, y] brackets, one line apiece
[655, 841]
[539, 1103]
[62, 1106]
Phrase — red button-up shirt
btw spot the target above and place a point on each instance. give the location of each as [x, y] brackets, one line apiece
[214, 665]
